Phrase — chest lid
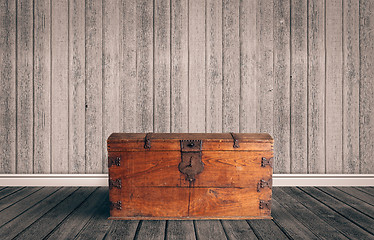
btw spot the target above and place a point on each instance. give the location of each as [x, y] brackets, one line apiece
[200, 141]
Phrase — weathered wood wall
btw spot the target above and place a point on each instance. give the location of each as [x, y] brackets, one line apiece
[73, 71]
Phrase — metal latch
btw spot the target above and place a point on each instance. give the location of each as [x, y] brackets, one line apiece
[116, 205]
[265, 162]
[115, 183]
[236, 141]
[191, 163]
[262, 184]
[147, 141]
[114, 161]
[264, 204]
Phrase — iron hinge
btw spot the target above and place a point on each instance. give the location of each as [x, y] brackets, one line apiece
[236, 141]
[262, 184]
[116, 205]
[114, 161]
[147, 141]
[115, 183]
[265, 162]
[264, 204]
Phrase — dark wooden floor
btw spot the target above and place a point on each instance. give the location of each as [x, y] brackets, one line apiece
[81, 213]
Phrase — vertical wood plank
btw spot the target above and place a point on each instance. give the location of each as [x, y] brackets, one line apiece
[214, 66]
[162, 66]
[281, 86]
[144, 41]
[248, 63]
[8, 86]
[179, 66]
[316, 87]
[366, 86]
[111, 118]
[351, 84]
[60, 96]
[298, 86]
[94, 91]
[77, 86]
[264, 73]
[127, 66]
[42, 86]
[230, 66]
[196, 68]
[334, 75]
[25, 86]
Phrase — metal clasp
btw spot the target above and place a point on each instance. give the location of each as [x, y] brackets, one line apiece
[262, 184]
[191, 163]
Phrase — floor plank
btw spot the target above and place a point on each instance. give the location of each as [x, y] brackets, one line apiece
[17, 225]
[122, 229]
[23, 205]
[209, 229]
[17, 196]
[8, 190]
[367, 190]
[238, 229]
[354, 202]
[151, 229]
[331, 217]
[348, 212]
[77, 220]
[98, 226]
[357, 193]
[266, 229]
[177, 228]
[43, 226]
[289, 224]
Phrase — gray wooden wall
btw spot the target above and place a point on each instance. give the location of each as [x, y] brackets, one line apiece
[72, 72]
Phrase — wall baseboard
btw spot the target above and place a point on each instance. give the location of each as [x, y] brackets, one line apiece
[279, 180]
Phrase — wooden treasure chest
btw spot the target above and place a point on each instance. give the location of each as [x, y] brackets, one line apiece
[190, 175]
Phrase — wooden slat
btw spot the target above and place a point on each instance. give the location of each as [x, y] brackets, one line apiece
[230, 66]
[316, 87]
[93, 64]
[209, 229]
[361, 220]
[179, 66]
[366, 86]
[77, 86]
[151, 230]
[177, 228]
[351, 84]
[24, 86]
[248, 65]
[8, 85]
[98, 225]
[357, 193]
[266, 229]
[60, 91]
[73, 224]
[144, 46]
[42, 86]
[17, 196]
[21, 222]
[298, 86]
[122, 230]
[357, 204]
[214, 66]
[111, 117]
[281, 86]
[368, 190]
[43, 226]
[161, 66]
[334, 75]
[127, 65]
[238, 229]
[196, 66]
[25, 204]
[264, 70]
[301, 207]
